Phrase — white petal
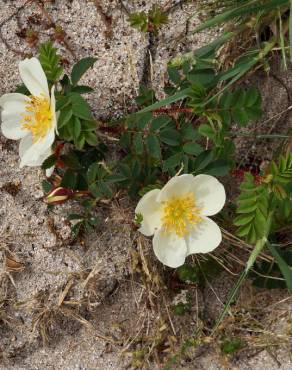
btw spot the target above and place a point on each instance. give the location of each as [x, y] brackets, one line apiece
[53, 109]
[13, 108]
[204, 237]
[209, 194]
[177, 186]
[33, 154]
[170, 249]
[151, 212]
[33, 76]
[49, 171]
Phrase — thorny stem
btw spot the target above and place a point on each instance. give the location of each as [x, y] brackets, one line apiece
[173, 110]
[252, 258]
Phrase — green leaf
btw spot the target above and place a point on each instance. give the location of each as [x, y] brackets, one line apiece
[90, 137]
[160, 122]
[202, 161]
[22, 89]
[172, 162]
[89, 125]
[170, 136]
[226, 100]
[69, 180]
[189, 133]
[252, 97]
[61, 102]
[80, 107]
[64, 116]
[138, 143]
[153, 146]
[192, 148]
[220, 167]
[174, 75]
[80, 68]
[100, 189]
[47, 186]
[75, 216]
[82, 89]
[207, 131]
[49, 162]
[238, 98]
[75, 127]
[203, 77]
[240, 116]
[92, 172]
[143, 119]
[125, 140]
[50, 61]
[252, 210]
[71, 160]
[79, 143]
[243, 219]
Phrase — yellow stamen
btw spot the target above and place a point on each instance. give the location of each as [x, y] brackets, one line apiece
[38, 117]
[179, 214]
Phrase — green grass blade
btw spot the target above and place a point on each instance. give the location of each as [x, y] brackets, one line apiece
[290, 30]
[243, 68]
[252, 258]
[286, 272]
[240, 11]
[282, 40]
[169, 100]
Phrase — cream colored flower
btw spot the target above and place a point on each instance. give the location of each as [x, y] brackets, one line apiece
[177, 217]
[31, 119]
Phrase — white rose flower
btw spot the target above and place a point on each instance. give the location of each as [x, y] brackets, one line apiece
[31, 119]
[177, 217]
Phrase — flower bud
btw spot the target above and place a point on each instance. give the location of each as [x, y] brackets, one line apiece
[58, 195]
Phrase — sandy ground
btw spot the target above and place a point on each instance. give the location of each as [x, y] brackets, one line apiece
[101, 300]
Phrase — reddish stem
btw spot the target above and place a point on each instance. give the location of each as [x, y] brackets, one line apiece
[173, 110]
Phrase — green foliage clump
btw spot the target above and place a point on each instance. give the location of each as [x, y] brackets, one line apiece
[253, 207]
[150, 21]
[50, 61]
[231, 345]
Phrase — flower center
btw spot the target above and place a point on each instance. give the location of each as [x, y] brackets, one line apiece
[179, 214]
[38, 117]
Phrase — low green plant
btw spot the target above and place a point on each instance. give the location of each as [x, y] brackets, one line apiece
[150, 21]
[231, 345]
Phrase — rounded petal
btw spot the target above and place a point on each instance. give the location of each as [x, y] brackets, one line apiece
[33, 76]
[53, 109]
[33, 154]
[49, 171]
[204, 237]
[170, 249]
[13, 107]
[151, 212]
[176, 186]
[209, 194]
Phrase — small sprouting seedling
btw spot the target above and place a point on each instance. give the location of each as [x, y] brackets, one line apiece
[182, 303]
[231, 345]
[59, 34]
[149, 22]
[188, 273]
[138, 219]
[31, 37]
[181, 308]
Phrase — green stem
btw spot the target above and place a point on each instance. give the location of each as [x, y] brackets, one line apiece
[264, 136]
[252, 258]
